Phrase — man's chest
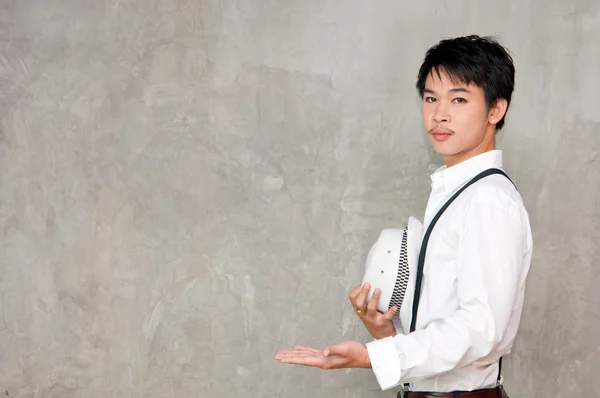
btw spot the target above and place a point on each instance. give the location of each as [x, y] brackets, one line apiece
[439, 296]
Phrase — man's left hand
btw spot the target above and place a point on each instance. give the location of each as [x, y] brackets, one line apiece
[349, 354]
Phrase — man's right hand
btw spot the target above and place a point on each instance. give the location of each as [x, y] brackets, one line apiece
[379, 324]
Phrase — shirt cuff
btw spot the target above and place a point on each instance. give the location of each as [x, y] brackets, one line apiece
[385, 362]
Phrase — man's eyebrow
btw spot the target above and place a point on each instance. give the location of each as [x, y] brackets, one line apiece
[459, 90]
[452, 90]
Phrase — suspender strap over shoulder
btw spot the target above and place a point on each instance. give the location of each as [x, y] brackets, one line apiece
[423, 251]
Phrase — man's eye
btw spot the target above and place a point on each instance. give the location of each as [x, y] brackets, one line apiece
[459, 100]
[429, 99]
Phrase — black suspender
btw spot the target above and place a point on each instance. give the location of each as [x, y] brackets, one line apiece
[421, 263]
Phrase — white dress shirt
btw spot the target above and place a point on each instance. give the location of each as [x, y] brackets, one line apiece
[477, 261]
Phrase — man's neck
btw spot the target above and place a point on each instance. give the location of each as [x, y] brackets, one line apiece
[488, 144]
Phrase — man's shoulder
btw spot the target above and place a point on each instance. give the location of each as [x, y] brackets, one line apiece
[497, 191]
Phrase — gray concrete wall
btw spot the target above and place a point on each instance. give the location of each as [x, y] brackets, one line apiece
[187, 187]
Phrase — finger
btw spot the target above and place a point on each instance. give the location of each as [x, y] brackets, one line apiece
[295, 353]
[390, 313]
[361, 299]
[287, 354]
[354, 293]
[372, 306]
[301, 348]
[305, 348]
[318, 362]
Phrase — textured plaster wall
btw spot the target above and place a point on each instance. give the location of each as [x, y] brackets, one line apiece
[187, 187]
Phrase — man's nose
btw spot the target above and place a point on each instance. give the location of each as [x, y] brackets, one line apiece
[441, 114]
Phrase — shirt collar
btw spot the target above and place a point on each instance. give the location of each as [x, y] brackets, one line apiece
[450, 178]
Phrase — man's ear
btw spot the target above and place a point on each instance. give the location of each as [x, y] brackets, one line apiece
[497, 111]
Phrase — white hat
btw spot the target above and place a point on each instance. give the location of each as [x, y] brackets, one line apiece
[391, 266]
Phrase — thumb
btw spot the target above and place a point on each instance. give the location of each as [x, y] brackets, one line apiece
[337, 349]
[391, 312]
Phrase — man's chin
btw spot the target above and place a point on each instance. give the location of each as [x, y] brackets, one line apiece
[441, 148]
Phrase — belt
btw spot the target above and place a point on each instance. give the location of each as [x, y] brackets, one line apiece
[486, 393]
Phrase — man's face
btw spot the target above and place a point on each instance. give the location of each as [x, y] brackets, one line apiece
[456, 118]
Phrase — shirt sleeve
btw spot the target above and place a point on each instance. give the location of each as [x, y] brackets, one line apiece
[489, 267]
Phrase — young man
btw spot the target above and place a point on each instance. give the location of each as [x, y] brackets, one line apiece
[479, 252]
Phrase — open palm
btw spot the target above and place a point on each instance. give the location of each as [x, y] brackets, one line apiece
[349, 354]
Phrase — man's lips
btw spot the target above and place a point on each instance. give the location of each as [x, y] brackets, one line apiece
[441, 134]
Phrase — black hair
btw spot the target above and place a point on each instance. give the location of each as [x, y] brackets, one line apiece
[472, 59]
